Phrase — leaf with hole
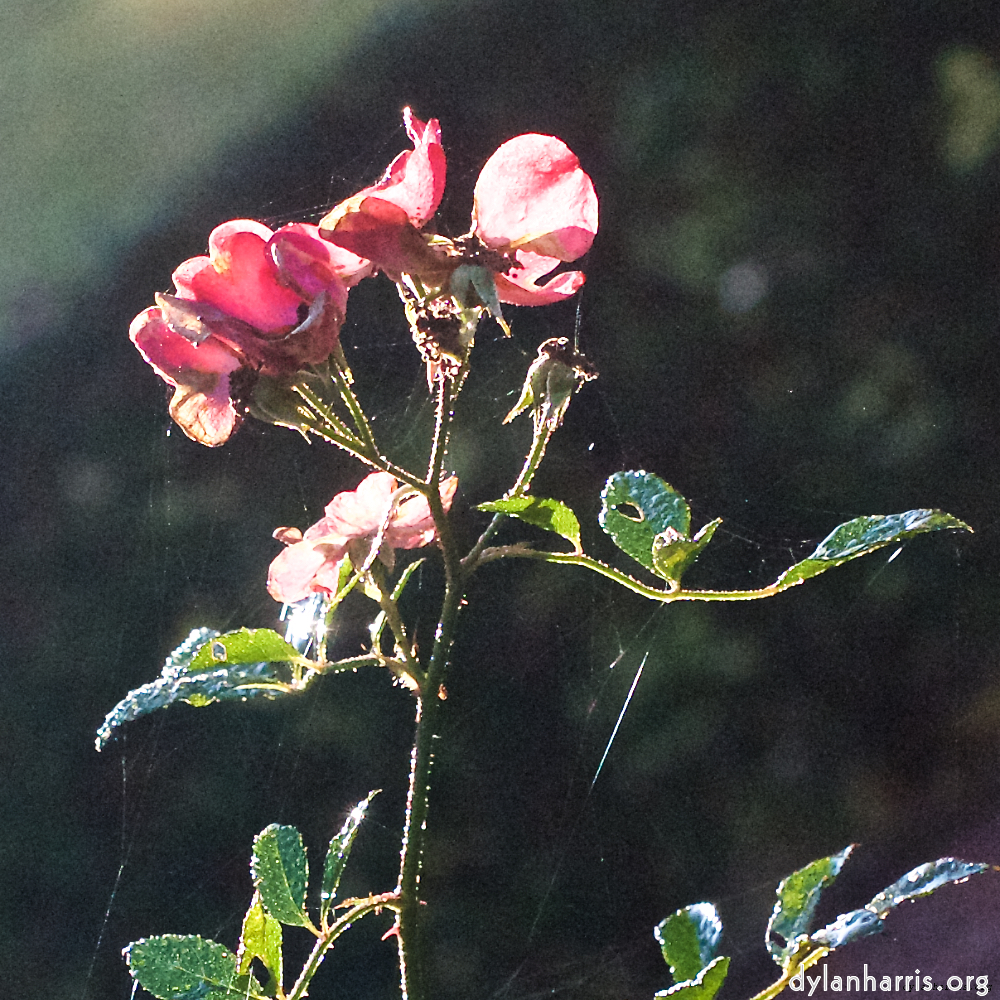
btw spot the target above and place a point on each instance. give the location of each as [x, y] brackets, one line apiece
[542, 512]
[198, 678]
[245, 645]
[650, 521]
[280, 873]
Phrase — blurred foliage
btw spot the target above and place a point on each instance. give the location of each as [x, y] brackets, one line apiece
[793, 307]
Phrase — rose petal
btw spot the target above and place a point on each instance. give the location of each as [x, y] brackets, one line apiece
[240, 277]
[199, 373]
[415, 179]
[519, 285]
[296, 572]
[383, 233]
[311, 264]
[533, 195]
[412, 525]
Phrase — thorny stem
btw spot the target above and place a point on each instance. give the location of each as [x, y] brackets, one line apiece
[412, 961]
[361, 907]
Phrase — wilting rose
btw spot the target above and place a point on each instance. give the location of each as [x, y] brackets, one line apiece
[268, 302]
[310, 563]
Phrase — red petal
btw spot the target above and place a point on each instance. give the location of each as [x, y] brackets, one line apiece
[415, 179]
[201, 405]
[382, 232]
[309, 263]
[240, 278]
[298, 571]
[518, 286]
[533, 195]
[412, 526]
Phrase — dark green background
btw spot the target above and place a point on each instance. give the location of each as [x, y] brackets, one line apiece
[839, 158]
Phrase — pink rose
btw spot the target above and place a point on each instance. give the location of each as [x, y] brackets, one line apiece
[270, 302]
[310, 563]
[534, 208]
[382, 222]
[532, 199]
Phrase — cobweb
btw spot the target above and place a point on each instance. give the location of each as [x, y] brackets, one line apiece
[574, 670]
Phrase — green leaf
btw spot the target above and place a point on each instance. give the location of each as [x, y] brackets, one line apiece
[704, 986]
[798, 896]
[176, 967]
[280, 875]
[866, 534]
[552, 515]
[921, 881]
[689, 939]
[261, 938]
[245, 645]
[849, 927]
[182, 680]
[340, 849]
[672, 554]
[644, 514]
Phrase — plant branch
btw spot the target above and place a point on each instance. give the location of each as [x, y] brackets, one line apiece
[361, 907]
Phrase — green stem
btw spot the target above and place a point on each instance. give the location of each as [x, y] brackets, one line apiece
[540, 441]
[403, 644]
[412, 961]
[362, 907]
[357, 414]
[666, 596]
[779, 985]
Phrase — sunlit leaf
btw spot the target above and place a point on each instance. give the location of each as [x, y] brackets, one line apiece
[175, 967]
[798, 896]
[639, 507]
[280, 874]
[921, 881]
[704, 986]
[689, 939]
[182, 680]
[552, 515]
[245, 645]
[849, 927]
[866, 534]
[261, 938]
[340, 849]
[672, 554]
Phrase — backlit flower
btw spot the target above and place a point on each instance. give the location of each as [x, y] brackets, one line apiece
[534, 208]
[310, 563]
[269, 302]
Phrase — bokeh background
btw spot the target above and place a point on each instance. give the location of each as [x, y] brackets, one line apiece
[793, 305]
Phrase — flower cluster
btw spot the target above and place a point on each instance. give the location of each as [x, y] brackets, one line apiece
[273, 303]
[311, 562]
[268, 302]
[534, 207]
